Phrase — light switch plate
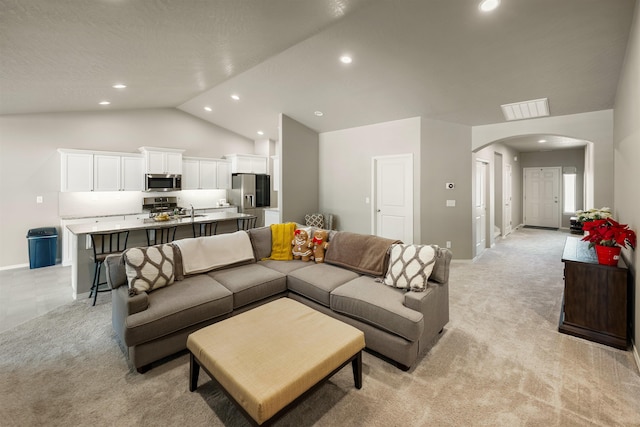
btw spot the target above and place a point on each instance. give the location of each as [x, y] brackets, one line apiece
[451, 203]
[38, 199]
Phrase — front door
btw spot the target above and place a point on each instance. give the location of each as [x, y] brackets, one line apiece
[393, 204]
[541, 197]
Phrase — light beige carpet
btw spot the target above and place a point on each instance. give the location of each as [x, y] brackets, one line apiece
[500, 362]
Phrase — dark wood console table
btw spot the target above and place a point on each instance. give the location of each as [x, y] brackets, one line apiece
[596, 304]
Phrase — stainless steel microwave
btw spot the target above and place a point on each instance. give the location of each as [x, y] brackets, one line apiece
[162, 182]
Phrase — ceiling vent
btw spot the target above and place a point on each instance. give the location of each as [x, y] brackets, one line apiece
[526, 109]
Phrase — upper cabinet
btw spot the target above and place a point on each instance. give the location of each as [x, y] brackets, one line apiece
[132, 172]
[76, 170]
[205, 174]
[248, 163]
[224, 174]
[100, 171]
[162, 160]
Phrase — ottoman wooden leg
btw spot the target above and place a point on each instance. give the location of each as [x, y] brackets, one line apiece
[194, 371]
[356, 364]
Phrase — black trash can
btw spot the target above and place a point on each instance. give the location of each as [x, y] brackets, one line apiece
[43, 246]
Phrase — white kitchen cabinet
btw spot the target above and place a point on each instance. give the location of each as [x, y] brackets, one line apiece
[106, 172]
[224, 175]
[190, 174]
[162, 160]
[76, 170]
[205, 174]
[100, 171]
[199, 174]
[271, 216]
[248, 163]
[117, 173]
[208, 174]
[132, 173]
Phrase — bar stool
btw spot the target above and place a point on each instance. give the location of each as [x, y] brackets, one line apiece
[204, 228]
[105, 244]
[247, 222]
[160, 235]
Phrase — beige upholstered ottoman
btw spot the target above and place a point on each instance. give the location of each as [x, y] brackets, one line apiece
[266, 358]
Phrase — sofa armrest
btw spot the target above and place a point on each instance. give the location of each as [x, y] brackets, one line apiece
[128, 305]
[418, 301]
[115, 271]
[440, 271]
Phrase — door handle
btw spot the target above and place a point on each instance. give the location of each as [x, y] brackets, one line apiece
[377, 210]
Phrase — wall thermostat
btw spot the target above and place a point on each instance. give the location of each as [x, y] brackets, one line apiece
[450, 185]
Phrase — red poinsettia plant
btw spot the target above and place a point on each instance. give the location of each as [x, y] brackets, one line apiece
[608, 232]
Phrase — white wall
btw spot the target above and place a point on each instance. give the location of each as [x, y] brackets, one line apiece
[345, 169]
[30, 164]
[627, 156]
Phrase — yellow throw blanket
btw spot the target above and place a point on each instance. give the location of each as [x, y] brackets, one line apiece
[281, 237]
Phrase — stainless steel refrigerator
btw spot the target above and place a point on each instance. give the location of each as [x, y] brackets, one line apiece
[251, 193]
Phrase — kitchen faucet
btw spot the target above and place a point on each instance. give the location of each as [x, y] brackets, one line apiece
[192, 216]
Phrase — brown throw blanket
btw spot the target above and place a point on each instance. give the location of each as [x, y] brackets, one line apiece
[359, 252]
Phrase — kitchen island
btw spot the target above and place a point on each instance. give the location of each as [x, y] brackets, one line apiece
[82, 266]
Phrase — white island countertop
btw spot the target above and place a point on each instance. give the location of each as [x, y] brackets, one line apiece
[141, 224]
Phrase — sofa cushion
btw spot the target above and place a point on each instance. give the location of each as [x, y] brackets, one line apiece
[186, 303]
[410, 266]
[250, 283]
[149, 268]
[261, 242]
[316, 281]
[379, 305]
[284, 267]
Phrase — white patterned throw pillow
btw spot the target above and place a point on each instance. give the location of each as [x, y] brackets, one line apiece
[410, 266]
[149, 268]
[314, 220]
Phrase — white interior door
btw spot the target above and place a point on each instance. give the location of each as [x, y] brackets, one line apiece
[393, 203]
[542, 197]
[480, 213]
[508, 194]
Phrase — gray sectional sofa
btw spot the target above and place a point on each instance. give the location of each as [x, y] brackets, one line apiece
[399, 325]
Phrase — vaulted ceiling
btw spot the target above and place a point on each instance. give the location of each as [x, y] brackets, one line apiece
[440, 59]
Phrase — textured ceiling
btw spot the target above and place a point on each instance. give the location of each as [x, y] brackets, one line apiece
[433, 58]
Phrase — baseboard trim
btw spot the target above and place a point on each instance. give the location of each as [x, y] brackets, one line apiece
[461, 261]
[13, 267]
[80, 296]
[636, 356]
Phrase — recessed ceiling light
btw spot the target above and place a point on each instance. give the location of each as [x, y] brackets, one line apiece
[542, 141]
[209, 109]
[104, 103]
[235, 97]
[318, 113]
[488, 5]
[346, 59]
[260, 132]
[119, 86]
